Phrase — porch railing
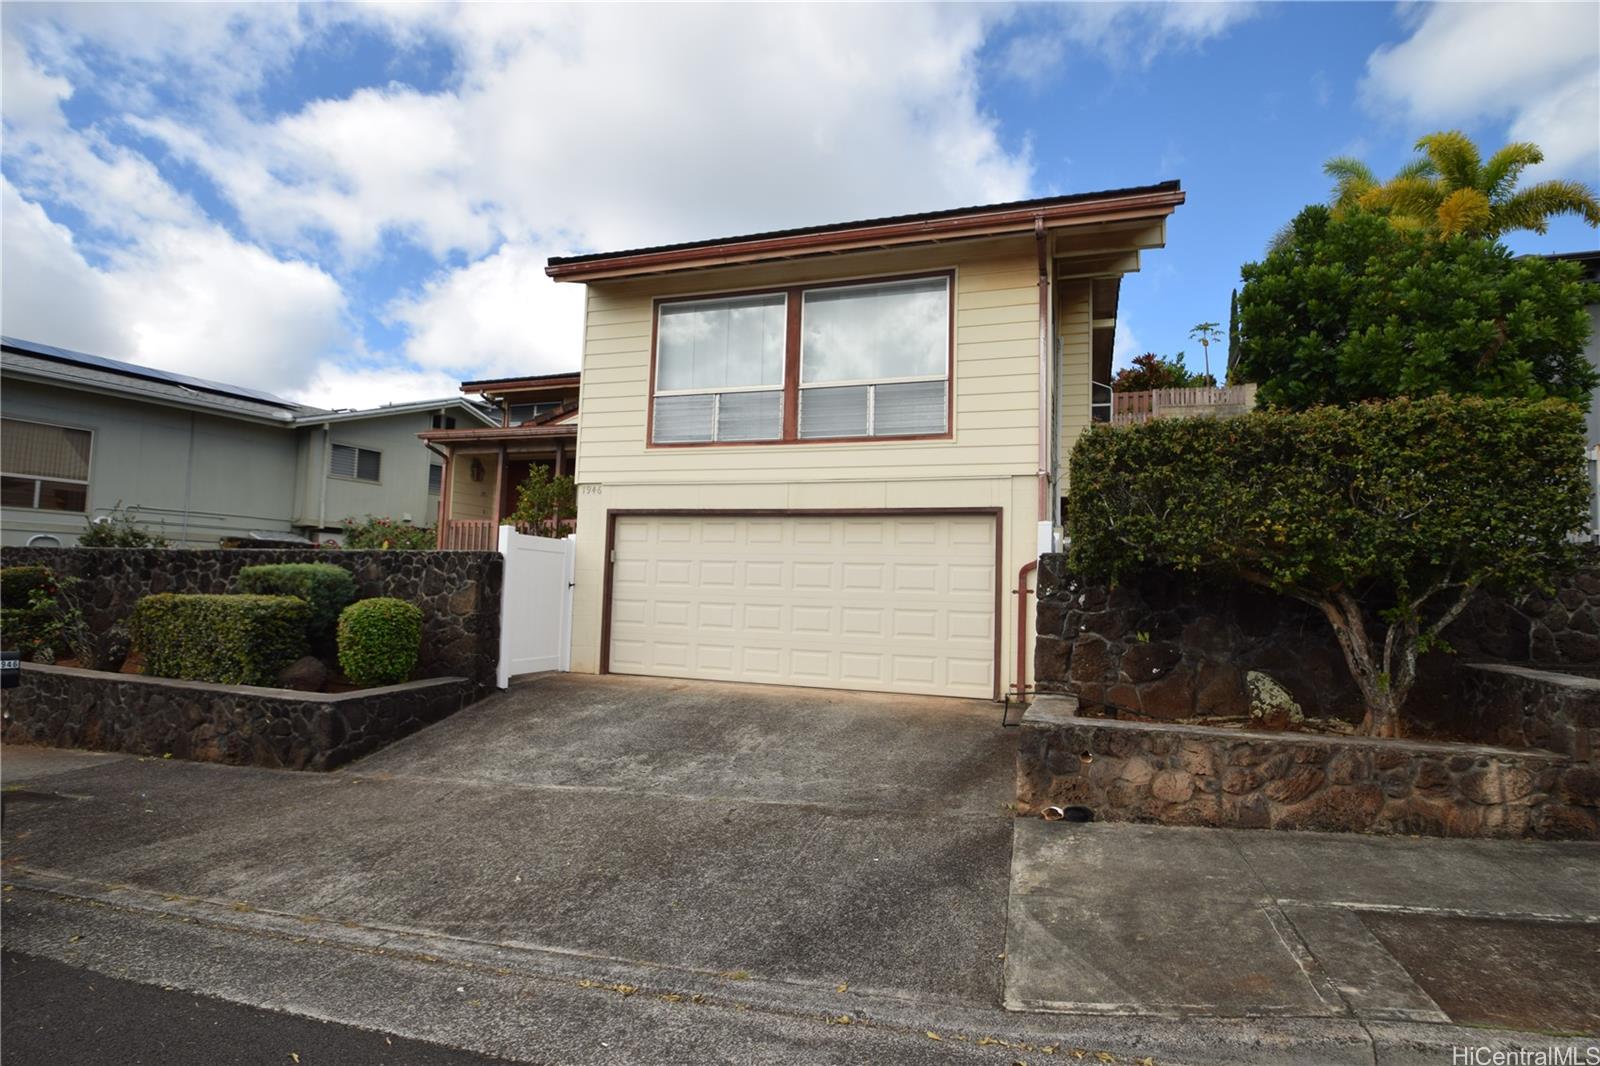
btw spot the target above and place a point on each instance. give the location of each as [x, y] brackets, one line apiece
[1178, 403]
[482, 535]
[468, 535]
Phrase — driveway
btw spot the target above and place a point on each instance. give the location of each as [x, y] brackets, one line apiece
[813, 850]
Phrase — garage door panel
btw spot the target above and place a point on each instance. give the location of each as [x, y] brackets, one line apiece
[889, 604]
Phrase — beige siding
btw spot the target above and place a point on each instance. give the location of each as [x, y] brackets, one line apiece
[1074, 331]
[996, 353]
[471, 499]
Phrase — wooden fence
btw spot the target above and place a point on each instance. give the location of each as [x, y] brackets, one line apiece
[1178, 403]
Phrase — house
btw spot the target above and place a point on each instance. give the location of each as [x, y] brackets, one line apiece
[484, 464]
[199, 461]
[830, 456]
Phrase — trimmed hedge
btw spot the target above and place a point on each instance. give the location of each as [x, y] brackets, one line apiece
[328, 589]
[18, 582]
[379, 640]
[230, 640]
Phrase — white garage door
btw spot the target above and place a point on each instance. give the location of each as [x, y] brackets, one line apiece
[884, 603]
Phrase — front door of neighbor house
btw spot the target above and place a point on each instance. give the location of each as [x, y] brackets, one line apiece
[873, 601]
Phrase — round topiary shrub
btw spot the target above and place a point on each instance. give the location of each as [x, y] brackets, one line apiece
[379, 639]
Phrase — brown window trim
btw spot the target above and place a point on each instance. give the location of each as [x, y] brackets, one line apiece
[997, 513]
[791, 365]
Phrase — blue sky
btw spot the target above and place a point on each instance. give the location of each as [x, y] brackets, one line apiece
[351, 205]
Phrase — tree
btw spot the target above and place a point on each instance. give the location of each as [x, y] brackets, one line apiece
[1233, 338]
[1451, 191]
[1150, 371]
[1385, 517]
[1206, 333]
[544, 502]
[1353, 309]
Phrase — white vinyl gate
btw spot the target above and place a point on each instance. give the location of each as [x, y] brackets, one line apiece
[535, 605]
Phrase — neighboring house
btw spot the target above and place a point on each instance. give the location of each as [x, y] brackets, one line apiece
[198, 461]
[825, 456]
[538, 425]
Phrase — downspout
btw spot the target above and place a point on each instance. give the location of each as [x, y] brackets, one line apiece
[444, 493]
[1041, 247]
[444, 481]
[322, 482]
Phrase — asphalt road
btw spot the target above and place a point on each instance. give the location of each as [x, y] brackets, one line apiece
[52, 1014]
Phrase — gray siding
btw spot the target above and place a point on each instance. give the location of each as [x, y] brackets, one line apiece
[194, 477]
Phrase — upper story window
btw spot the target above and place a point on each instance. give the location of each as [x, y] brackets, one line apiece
[444, 421]
[875, 359]
[719, 369]
[850, 361]
[44, 467]
[361, 464]
[519, 413]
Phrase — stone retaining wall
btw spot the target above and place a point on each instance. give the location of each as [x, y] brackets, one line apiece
[1519, 706]
[1197, 775]
[60, 706]
[459, 592]
[1169, 646]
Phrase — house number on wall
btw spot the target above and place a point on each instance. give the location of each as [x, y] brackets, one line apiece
[590, 490]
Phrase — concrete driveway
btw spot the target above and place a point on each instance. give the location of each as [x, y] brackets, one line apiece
[833, 854]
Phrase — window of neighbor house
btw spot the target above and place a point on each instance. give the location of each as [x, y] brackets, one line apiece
[873, 358]
[361, 464]
[444, 421]
[521, 412]
[435, 478]
[44, 467]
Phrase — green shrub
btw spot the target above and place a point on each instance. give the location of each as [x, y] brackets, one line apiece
[17, 584]
[1386, 517]
[385, 533]
[378, 640]
[234, 640]
[328, 589]
[117, 529]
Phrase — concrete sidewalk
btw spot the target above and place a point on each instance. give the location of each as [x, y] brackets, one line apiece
[1155, 921]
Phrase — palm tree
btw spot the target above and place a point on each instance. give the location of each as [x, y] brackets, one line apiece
[1451, 191]
[1205, 333]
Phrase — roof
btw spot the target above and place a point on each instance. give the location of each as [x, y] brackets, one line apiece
[316, 417]
[63, 367]
[146, 373]
[560, 430]
[522, 381]
[927, 225]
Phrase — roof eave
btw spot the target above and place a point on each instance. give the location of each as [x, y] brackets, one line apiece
[981, 223]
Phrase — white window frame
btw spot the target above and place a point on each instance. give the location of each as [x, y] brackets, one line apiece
[871, 383]
[39, 479]
[358, 449]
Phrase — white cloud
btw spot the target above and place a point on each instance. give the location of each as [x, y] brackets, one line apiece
[562, 127]
[356, 385]
[1118, 32]
[47, 291]
[189, 299]
[1533, 64]
[482, 319]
